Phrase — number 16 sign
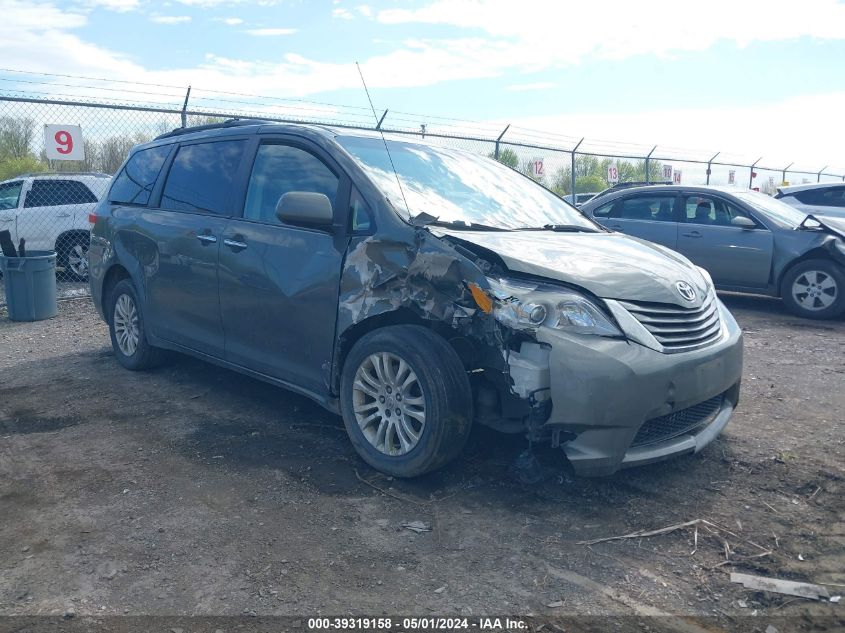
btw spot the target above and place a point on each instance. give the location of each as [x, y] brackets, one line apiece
[63, 142]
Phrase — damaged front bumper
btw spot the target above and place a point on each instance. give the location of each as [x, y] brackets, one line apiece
[616, 403]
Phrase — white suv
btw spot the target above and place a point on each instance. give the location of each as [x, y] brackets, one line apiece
[827, 198]
[50, 211]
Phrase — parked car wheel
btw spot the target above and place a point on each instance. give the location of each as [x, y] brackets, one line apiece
[814, 289]
[126, 326]
[405, 400]
[73, 257]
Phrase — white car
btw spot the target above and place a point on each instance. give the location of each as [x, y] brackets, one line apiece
[826, 197]
[50, 211]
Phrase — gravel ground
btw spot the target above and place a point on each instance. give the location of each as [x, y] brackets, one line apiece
[192, 490]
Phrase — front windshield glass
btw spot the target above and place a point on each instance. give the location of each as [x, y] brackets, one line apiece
[778, 211]
[455, 186]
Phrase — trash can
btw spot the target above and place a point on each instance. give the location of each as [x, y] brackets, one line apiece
[30, 285]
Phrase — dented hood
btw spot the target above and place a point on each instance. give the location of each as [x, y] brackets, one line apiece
[609, 265]
[832, 224]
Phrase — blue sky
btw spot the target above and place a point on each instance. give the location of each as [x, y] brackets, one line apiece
[745, 78]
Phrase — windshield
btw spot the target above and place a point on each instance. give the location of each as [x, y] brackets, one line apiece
[778, 211]
[454, 186]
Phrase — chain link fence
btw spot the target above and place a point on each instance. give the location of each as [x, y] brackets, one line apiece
[51, 176]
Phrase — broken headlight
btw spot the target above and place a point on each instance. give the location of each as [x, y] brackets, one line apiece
[525, 306]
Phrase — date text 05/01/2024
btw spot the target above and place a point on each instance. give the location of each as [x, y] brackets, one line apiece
[385, 624]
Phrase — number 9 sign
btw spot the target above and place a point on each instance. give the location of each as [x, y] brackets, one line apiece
[63, 142]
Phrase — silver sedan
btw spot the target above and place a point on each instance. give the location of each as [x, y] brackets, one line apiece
[747, 241]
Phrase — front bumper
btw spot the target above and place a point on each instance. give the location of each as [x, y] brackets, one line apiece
[603, 391]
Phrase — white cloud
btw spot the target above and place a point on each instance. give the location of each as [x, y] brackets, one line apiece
[796, 129]
[270, 32]
[548, 33]
[343, 14]
[230, 21]
[365, 10]
[541, 85]
[170, 19]
[121, 6]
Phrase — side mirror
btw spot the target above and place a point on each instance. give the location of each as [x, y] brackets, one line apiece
[304, 207]
[744, 223]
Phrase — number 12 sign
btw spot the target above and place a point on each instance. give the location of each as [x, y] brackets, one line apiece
[63, 142]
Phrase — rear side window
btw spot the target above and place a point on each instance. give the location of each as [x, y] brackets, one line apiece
[9, 195]
[202, 177]
[136, 180]
[51, 193]
[279, 169]
[833, 197]
[655, 208]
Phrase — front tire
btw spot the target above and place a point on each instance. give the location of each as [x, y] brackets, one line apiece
[406, 400]
[814, 289]
[128, 329]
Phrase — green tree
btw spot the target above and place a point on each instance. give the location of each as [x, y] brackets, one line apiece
[11, 167]
[507, 157]
[15, 137]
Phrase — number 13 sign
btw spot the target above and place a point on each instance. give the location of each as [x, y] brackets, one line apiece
[63, 142]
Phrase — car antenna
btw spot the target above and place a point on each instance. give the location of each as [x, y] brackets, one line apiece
[383, 140]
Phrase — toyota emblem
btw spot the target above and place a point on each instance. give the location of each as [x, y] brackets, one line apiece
[685, 290]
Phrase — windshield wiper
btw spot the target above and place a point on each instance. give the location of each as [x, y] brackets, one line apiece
[562, 228]
[428, 220]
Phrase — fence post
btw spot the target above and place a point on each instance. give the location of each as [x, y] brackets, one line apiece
[381, 120]
[185, 108]
[751, 175]
[647, 171]
[496, 153]
[819, 175]
[572, 175]
[783, 175]
[710, 162]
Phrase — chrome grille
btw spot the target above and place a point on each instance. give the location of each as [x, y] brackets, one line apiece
[678, 423]
[678, 329]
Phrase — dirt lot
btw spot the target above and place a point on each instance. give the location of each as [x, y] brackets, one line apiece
[195, 490]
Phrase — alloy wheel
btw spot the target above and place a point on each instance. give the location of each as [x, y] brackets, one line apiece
[77, 260]
[126, 327]
[389, 404]
[815, 290]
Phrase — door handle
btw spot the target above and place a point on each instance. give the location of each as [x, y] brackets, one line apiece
[7, 219]
[235, 245]
[692, 234]
[63, 215]
[207, 239]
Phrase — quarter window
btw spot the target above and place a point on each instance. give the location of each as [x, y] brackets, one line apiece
[136, 180]
[202, 177]
[603, 211]
[51, 193]
[279, 169]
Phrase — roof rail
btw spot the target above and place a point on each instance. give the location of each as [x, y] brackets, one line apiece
[179, 131]
[97, 174]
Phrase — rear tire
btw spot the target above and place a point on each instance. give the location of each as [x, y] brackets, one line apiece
[128, 329]
[73, 257]
[814, 289]
[406, 400]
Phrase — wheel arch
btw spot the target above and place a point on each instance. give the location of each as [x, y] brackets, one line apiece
[819, 252]
[65, 236]
[115, 274]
